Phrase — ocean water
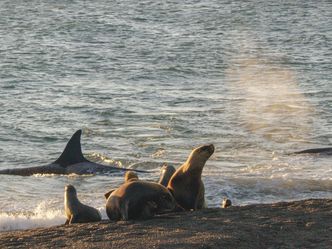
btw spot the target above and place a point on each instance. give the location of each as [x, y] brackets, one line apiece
[147, 81]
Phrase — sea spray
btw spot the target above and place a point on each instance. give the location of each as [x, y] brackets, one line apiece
[41, 216]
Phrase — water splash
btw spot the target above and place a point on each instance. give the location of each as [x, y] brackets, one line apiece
[41, 216]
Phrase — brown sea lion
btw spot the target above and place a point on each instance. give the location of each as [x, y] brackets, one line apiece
[77, 212]
[129, 176]
[138, 200]
[186, 184]
[166, 173]
[226, 203]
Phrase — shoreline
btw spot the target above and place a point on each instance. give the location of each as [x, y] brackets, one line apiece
[296, 224]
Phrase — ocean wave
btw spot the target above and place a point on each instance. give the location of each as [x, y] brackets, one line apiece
[244, 190]
[41, 216]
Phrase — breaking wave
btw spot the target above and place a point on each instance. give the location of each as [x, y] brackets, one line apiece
[41, 216]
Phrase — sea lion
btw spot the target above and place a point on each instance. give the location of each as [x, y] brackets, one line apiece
[186, 184]
[138, 200]
[166, 173]
[226, 203]
[77, 212]
[129, 176]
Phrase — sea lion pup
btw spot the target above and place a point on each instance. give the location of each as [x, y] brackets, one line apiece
[77, 212]
[186, 184]
[166, 173]
[129, 176]
[138, 200]
[226, 203]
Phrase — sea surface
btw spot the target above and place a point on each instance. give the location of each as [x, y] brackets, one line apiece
[148, 81]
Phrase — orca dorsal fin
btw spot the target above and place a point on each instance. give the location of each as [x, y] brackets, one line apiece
[72, 154]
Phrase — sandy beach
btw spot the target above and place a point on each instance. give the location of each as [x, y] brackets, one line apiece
[298, 224]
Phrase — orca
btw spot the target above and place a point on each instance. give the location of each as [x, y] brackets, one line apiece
[323, 151]
[71, 161]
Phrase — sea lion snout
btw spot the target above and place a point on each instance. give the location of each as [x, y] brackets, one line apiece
[209, 148]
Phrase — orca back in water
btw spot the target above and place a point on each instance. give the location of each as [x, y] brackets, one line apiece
[71, 161]
[324, 151]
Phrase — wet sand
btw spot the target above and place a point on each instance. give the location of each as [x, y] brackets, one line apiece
[298, 224]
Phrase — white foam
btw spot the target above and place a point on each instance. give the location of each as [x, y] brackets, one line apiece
[42, 216]
[21, 221]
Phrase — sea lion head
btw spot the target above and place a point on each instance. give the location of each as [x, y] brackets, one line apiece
[70, 189]
[226, 203]
[166, 173]
[130, 176]
[167, 169]
[199, 156]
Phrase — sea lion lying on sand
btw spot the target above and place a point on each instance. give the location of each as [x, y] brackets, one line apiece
[138, 200]
[186, 184]
[77, 212]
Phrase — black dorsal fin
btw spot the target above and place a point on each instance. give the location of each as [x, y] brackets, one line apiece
[72, 153]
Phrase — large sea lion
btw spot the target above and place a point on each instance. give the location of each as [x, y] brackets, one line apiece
[186, 184]
[138, 200]
[166, 173]
[77, 212]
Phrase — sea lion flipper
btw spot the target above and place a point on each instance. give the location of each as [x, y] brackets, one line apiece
[149, 210]
[67, 222]
[72, 153]
[200, 199]
[124, 211]
[74, 219]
